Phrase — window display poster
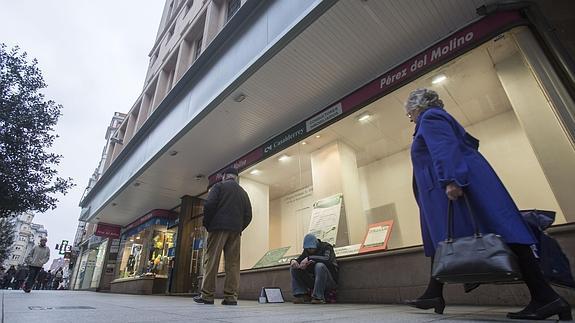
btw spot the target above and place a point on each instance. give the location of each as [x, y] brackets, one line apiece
[377, 236]
[271, 257]
[325, 218]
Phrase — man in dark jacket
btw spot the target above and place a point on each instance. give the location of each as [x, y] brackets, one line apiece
[227, 212]
[316, 269]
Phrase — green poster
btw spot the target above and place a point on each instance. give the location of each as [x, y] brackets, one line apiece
[272, 257]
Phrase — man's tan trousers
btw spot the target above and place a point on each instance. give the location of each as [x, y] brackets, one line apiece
[229, 242]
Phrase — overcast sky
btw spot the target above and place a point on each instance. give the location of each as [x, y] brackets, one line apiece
[94, 57]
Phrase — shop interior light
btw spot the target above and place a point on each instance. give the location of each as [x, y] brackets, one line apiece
[364, 117]
[318, 136]
[132, 240]
[304, 143]
[284, 158]
[138, 238]
[438, 79]
[255, 172]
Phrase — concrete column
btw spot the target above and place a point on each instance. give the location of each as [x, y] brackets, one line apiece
[213, 21]
[255, 239]
[143, 114]
[334, 170]
[184, 59]
[131, 127]
[109, 153]
[544, 131]
[160, 93]
[189, 218]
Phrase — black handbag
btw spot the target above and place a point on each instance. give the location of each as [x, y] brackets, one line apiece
[480, 258]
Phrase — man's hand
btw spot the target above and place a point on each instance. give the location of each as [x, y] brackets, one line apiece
[294, 263]
[305, 263]
[453, 191]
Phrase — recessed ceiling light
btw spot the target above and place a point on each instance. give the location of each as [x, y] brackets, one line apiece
[304, 143]
[136, 184]
[114, 204]
[284, 158]
[364, 117]
[255, 172]
[240, 97]
[438, 79]
[318, 136]
[173, 153]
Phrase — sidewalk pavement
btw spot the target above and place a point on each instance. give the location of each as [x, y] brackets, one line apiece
[85, 307]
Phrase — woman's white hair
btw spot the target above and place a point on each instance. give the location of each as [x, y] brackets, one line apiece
[422, 99]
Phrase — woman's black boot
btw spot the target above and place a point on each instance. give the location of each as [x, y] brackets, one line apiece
[437, 303]
[432, 298]
[557, 307]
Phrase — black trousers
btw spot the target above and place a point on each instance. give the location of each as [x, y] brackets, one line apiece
[32, 274]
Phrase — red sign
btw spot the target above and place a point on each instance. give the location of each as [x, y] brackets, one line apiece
[108, 230]
[249, 159]
[434, 56]
[376, 237]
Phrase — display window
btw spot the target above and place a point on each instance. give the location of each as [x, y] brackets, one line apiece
[99, 264]
[146, 253]
[350, 183]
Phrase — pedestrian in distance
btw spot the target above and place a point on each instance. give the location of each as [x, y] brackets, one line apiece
[20, 277]
[227, 212]
[2, 275]
[447, 165]
[47, 281]
[8, 277]
[57, 278]
[315, 271]
[40, 279]
[37, 257]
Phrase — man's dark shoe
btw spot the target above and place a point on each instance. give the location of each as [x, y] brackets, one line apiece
[227, 302]
[437, 303]
[302, 299]
[557, 307]
[317, 301]
[200, 300]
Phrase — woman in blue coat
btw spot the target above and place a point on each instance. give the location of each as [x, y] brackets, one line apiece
[446, 163]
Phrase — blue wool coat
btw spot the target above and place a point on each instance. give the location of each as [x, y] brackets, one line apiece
[442, 153]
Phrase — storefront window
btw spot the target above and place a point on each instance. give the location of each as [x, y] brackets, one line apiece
[356, 173]
[147, 253]
[99, 264]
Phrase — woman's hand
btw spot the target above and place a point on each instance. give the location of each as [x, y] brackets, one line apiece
[453, 191]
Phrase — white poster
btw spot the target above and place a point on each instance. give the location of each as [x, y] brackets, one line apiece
[376, 236]
[347, 250]
[325, 218]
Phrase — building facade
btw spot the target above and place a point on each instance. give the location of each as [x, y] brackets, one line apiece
[27, 235]
[305, 99]
[89, 250]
